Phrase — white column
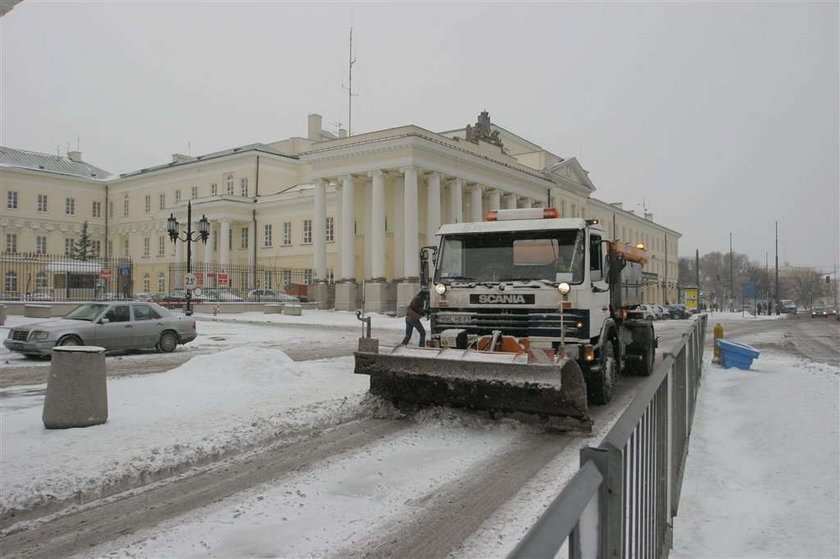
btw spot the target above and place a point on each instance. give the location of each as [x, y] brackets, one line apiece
[224, 246]
[366, 195]
[252, 246]
[432, 207]
[456, 201]
[348, 236]
[410, 226]
[319, 231]
[510, 201]
[525, 203]
[377, 216]
[397, 226]
[476, 213]
[494, 199]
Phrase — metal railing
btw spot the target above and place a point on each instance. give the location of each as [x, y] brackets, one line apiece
[43, 277]
[622, 501]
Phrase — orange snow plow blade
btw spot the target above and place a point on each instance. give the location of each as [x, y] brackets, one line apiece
[534, 383]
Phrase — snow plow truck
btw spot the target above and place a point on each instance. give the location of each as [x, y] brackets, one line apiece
[528, 314]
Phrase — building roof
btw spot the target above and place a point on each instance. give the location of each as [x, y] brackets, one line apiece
[190, 160]
[23, 159]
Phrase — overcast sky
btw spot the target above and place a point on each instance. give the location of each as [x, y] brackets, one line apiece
[721, 117]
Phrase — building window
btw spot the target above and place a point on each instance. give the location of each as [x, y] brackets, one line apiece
[229, 185]
[68, 246]
[42, 202]
[243, 187]
[70, 206]
[97, 209]
[97, 248]
[307, 276]
[162, 201]
[10, 282]
[147, 283]
[287, 233]
[41, 245]
[110, 249]
[307, 231]
[178, 196]
[11, 200]
[193, 192]
[244, 238]
[330, 230]
[125, 206]
[161, 245]
[146, 246]
[214, 189]
[267, 279]
[148, 206]
[110, 209]
[11, 242]
[267, 235]
[125, 247]
[287, 277]
[41, 281]
[161, 282]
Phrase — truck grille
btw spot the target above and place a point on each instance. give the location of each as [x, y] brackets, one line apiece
[513, 322]
[19, 335]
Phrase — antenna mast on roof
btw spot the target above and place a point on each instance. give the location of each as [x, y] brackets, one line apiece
[350, 87]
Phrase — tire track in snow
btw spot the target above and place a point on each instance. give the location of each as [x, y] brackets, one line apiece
[101, 521]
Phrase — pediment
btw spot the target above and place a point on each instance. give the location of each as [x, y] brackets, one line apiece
[570, 172]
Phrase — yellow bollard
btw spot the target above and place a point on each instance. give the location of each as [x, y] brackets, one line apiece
[718, 334]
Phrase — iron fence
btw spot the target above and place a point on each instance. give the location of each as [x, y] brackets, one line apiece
[241, 278]
[42, 277]
[622, 501]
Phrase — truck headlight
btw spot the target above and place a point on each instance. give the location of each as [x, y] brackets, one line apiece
[440, 289]
[39, 335]
[564, 288]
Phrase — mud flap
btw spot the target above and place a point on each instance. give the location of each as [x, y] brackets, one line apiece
[476, 380]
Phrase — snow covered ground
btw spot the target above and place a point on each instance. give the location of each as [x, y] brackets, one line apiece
[761, 478]
[763, 465]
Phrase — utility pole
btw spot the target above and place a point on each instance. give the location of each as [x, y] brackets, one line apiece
[731, 280]
[776, 298]
[349, 88]
[697, 275]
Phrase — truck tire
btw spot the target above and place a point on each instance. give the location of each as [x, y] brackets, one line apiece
[642, 351]
[600, 385]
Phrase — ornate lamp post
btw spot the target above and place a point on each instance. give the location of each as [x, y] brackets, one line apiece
[189, 237]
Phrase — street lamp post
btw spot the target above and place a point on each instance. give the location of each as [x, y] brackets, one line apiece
[189, 237]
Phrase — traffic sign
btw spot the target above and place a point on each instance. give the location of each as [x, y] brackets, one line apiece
[105, 274]
[197, 292]
[189, 281]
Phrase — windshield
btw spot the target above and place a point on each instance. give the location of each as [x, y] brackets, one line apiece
[554, 256]
[88, 311]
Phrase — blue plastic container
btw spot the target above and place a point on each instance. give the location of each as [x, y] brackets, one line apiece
[737, 355]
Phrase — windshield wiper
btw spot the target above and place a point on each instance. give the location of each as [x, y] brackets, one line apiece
[542, 280]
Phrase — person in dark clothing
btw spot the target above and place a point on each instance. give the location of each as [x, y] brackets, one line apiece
[415, 310]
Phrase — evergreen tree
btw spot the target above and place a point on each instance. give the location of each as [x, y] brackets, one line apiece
[83, 249]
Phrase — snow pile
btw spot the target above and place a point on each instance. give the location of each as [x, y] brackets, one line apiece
[209, 405]
[762, 473]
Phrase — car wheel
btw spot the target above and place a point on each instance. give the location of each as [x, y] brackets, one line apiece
[168, 342]
[648, 317]
[70, 340]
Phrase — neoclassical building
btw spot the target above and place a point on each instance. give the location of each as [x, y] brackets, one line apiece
[345, 211]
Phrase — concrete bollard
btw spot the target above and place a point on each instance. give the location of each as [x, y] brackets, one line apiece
[292, 309]
[37, 311]
[2, 315]
[77, 394]
[273, 308]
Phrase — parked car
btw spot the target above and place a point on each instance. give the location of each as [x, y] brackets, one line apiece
[661, 312]
[646, 312]
[678, 311]
[819, 311]
[39, 295]
[222, 294]
[270, 295]
[112, 297]
[145, 297]
[114, 326]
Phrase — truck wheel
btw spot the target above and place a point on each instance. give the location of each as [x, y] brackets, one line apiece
[643, 340]
[601, 384]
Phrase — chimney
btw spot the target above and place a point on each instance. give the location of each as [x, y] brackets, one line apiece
[74, 156]
[619, 205]
[314, 129]
[342, 133]
[648, 216]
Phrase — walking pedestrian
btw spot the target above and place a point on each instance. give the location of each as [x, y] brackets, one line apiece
[416, 309]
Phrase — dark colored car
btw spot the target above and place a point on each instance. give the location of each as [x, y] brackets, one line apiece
[819, 311]
[678, 311]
